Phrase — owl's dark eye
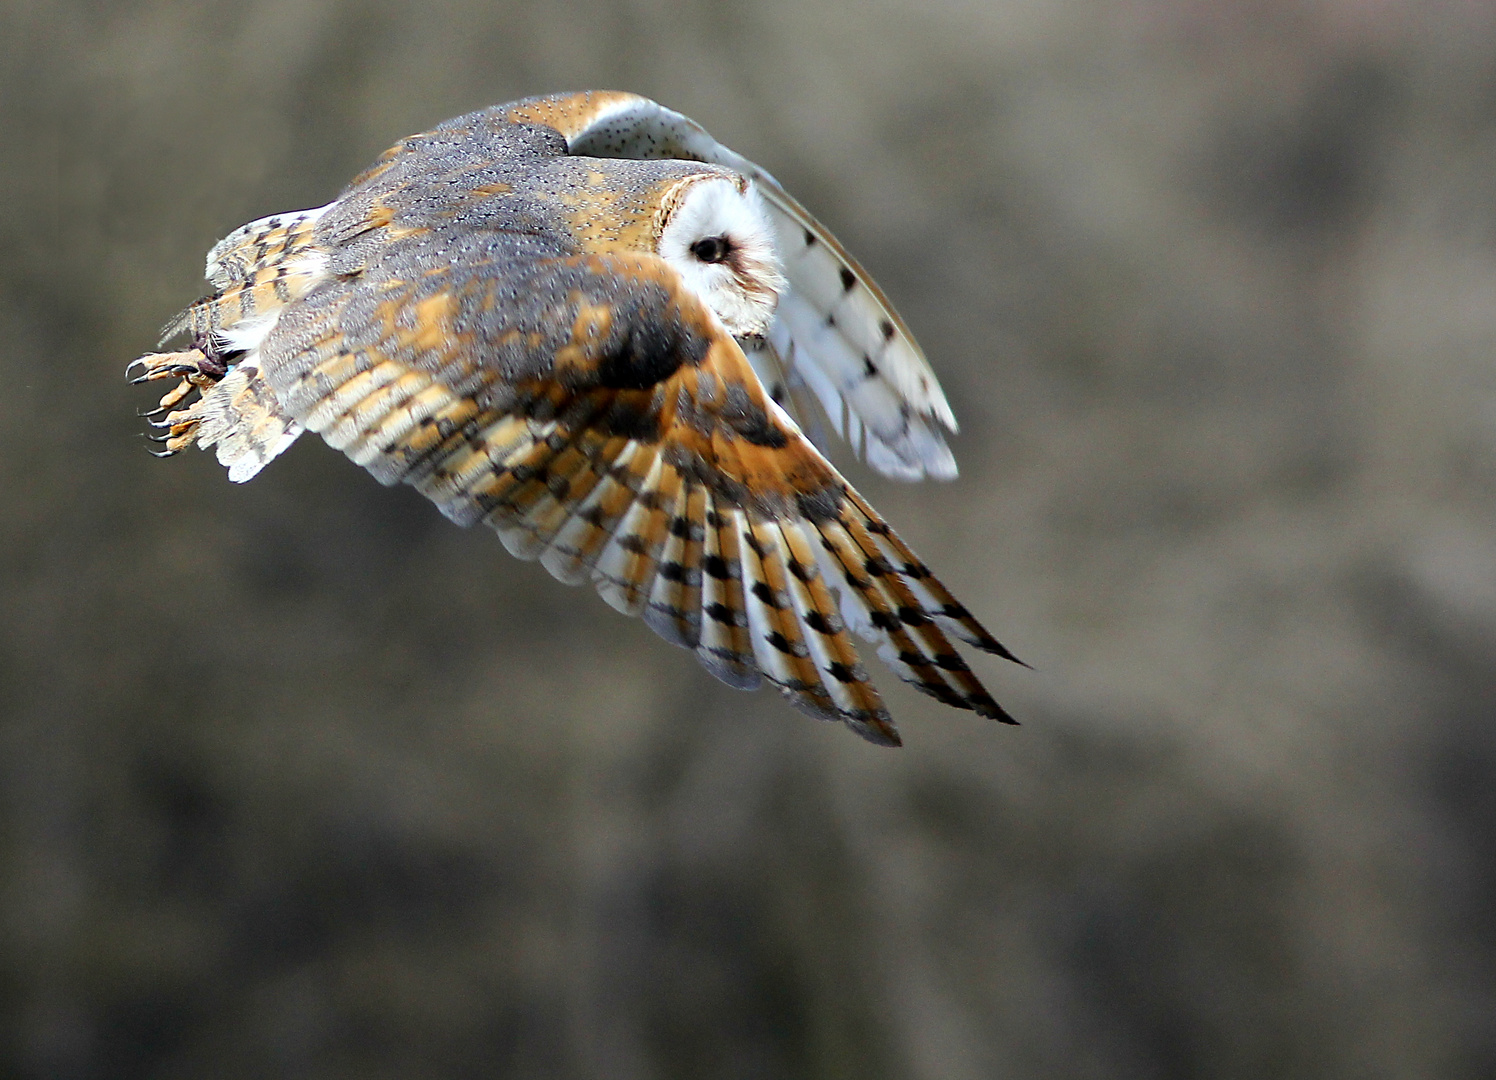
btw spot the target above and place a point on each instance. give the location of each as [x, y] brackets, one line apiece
[712, 249]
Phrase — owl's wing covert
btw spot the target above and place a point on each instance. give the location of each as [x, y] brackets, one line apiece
[594, 413]
[834, 328]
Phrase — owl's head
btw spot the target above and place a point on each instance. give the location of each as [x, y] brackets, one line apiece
[717, 235]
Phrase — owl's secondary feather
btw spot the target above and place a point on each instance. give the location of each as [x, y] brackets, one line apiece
[484, 314]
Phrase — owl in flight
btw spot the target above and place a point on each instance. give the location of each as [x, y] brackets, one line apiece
[583, 321]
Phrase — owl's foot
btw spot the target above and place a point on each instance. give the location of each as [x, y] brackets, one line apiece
[195, 371]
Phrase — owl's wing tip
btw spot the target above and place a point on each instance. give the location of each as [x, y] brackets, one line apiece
[879, 734]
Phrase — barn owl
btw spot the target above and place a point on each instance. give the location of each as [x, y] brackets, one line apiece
[584, 322]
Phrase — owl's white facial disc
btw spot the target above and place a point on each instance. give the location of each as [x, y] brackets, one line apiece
[718, 237]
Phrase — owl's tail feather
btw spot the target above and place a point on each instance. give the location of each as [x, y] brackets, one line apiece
[265, 242]
[255, 271]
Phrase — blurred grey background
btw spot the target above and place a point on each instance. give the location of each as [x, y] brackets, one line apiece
[299, 780]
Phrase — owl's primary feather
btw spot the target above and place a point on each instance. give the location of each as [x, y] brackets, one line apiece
[489, 315]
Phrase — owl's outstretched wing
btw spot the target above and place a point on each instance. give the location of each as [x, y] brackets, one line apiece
[591, 410]
[835, 330]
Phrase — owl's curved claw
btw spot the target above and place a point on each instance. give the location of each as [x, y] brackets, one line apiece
[193, 364]
[196, 371]
[165, 371]
[174, 441]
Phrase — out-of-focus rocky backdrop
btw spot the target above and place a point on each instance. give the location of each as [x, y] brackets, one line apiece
[297, 779]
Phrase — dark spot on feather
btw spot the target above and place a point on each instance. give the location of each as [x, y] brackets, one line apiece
[725, 488]
[848, 279]
[719, 568]
[674, 571]
[684, 528]
[721, 613]
[887, 328]
[820, 624]
[766, 594]
[877, 567]
[558, 486]
[810, 238]
[623, 476]
[821, 505]
[831, 320]
[950, 662]
[625, 419]
[913, 659]
[884, 620]
[749, 419]
[646, 345]
[914, 571]
[955, 611]
[800, 570]
[780, 642]
[913, 616]
[856, 582]
[869, 369]
[841, 672]
[634, 544]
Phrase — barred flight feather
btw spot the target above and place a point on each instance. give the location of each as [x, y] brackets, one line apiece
[600, 501]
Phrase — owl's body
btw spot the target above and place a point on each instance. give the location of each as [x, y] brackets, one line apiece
[573, 318]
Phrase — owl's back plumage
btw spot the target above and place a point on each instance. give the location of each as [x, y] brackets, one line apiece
[514, 313]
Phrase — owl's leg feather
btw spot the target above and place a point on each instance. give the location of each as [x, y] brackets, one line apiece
[234, 410]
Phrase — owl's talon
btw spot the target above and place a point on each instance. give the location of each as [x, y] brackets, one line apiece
[197, 371]
[178, 365]
[171, 371]
[178, 438]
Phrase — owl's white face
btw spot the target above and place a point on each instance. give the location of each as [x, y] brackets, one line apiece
[718, 237]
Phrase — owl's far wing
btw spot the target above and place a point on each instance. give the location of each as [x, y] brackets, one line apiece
[595, 414]
[834, 329]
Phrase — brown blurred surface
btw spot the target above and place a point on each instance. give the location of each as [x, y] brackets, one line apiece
[297, 779]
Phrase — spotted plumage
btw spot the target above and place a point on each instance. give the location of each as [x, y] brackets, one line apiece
[586, 324]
